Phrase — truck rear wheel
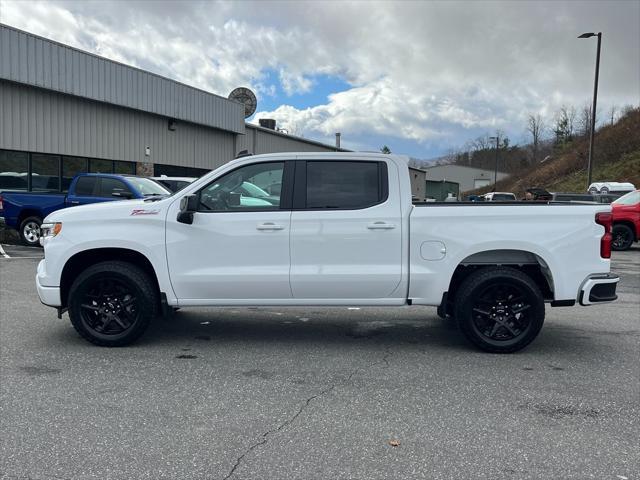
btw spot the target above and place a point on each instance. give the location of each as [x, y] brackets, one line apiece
[499, 309]
[111, 304]
[30, 231]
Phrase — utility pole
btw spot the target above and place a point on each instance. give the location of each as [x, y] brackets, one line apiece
[495, 175]
[595, 100]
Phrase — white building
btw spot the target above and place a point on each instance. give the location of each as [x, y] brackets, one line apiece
[469, 178]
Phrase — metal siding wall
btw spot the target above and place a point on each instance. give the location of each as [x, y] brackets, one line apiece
[245, 142]
[37, 120]
[39, 62]
[267, 142]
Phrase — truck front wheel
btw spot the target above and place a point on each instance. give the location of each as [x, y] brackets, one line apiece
[499, 309]
[112, 303]
[30, 231]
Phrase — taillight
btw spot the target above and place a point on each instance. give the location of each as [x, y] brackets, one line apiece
[605, 219]
[1, 205]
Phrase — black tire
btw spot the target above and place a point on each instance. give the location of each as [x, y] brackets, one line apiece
[499, 309]
[112, 303]
[30, 231]
[622, 237]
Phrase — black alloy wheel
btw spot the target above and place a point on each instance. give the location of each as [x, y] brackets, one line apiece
[112, 303]
[622, 237]
[499, 309]
[110, 306]
[500, 313]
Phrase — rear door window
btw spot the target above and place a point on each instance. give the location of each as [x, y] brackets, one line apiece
[344, 184]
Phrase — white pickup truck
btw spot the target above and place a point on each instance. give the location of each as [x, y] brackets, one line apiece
[323, 229]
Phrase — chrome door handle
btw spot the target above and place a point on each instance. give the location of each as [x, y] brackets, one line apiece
[380, 226]
[75, 202]
[269, 226]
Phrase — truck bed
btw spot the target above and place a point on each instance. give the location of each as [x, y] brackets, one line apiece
[555, 234]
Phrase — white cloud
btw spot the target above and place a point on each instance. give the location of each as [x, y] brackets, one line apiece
[425, 72]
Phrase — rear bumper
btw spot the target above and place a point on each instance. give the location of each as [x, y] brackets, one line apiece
[600, 288]
[50, 296]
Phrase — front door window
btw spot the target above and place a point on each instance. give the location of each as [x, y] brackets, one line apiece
[252, 187]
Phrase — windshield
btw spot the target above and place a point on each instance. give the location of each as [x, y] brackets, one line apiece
[630, 198]
[148, 187]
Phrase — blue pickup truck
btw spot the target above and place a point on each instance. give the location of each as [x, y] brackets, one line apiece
[24, 211]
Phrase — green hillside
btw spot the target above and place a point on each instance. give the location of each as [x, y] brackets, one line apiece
[625, 170]
[616, 159]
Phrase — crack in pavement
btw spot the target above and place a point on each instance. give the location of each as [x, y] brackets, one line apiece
[264, 437]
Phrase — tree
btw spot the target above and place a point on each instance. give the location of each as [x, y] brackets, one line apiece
[626, 110]
[385, 149]
[612, 113]
[564, 125]
[481, 143]
[584, 124]
[535, 126]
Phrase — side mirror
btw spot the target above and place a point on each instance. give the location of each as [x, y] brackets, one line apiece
[122, 194]
[188, 206]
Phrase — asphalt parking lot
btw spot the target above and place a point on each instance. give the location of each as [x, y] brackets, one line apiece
[314, 394]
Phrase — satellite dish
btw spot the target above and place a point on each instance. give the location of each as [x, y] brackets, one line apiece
[247, 98]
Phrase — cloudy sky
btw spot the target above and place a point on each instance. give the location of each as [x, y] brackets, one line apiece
[421, 77]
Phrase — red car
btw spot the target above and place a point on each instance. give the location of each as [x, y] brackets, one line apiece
[626, 220]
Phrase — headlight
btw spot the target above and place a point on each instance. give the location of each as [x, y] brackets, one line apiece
[49, 230]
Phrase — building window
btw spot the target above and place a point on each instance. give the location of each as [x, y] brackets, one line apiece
[71, 166]
[100, 166]
[175, 171]
[45, 173]
[124, 168]
[41, 172]
[14, 169]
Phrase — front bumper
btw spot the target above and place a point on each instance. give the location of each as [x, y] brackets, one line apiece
[600, 288]
[50, 296]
